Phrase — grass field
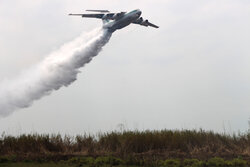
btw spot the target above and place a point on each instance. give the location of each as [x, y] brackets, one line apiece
[36, 165]
[112, 162]
[170, 148]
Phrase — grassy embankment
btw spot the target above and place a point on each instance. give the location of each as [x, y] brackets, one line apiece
[152, 148]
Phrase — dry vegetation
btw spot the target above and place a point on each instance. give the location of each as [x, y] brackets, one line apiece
[151, 145]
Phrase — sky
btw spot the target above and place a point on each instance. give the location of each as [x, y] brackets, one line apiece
[191, 73]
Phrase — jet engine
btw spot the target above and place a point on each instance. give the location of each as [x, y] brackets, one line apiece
[145, 23]
[117, 15]
[140, 20]
[105, 16]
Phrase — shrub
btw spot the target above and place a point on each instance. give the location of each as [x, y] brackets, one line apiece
[214, 162]
[108, 161]
[172, 163]
[102, 161]
[239, 162]
[82, 160]
[193, 163]
[4, 159]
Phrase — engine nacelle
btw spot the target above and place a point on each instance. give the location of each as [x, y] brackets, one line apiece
[140, 20]
[117, 15]
[105, 16]
[145, 23]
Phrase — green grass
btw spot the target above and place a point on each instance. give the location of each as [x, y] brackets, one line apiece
[116, 162]
[36, 165]
[49, 165]
[113, 161]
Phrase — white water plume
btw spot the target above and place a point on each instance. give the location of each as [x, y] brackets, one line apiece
[59, 69]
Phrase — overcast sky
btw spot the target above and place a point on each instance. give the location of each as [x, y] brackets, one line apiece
[193, 72]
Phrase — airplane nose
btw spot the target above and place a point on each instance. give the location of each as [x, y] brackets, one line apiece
[139, 13]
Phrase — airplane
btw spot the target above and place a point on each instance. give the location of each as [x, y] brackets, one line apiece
[115, 21]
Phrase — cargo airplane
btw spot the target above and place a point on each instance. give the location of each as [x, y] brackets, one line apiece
[115, 21]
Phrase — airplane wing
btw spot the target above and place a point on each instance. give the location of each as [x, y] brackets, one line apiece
[99, 15]
[104, 16]
[146, 23]
[102, 11]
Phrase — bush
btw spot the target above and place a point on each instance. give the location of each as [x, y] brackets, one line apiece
[172, 163]
[193, 163]
[101, 161]
[239, 162]
[108, 161]
[214, 162]
[4, 159]
[82, 160]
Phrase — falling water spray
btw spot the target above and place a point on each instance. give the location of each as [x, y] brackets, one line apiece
[58, 69]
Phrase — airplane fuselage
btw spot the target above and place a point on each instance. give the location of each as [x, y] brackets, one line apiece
[115, 21]
[122, 21]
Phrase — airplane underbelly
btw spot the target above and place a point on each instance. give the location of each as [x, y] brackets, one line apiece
[119, 24]
[122, 25]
